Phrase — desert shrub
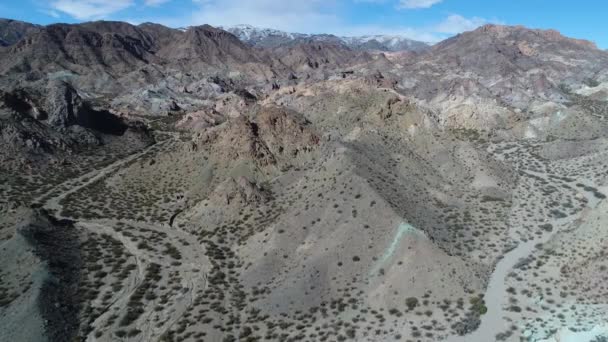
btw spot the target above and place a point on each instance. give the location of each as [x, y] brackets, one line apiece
[564, 88]
[478, 306]
[133, 332]
[411, 303]
[590, 82]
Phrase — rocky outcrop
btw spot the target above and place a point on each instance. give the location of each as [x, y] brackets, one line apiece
[239, 192]
[310, 56]
[273, 136]
[286, 132]
[63, 104]
[201, 120]
[240, 139]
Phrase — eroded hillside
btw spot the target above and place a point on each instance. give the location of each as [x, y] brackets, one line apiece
[162, 185]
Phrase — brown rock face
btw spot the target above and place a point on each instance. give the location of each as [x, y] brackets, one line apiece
[312, 56]
[76, 48]
[286, 132]
[209, 45]
[275, 135]
[244, 141]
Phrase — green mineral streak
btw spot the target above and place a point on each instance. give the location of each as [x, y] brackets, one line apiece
[402, 230]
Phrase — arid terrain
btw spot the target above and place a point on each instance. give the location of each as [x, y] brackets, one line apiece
[185, 185]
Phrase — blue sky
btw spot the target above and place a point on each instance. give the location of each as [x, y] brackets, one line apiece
[427, 20]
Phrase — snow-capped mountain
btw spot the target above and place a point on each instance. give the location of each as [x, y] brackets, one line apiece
[265, 37]
[385, 43]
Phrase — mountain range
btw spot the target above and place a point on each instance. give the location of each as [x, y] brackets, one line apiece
[273, 38]
[244, 184]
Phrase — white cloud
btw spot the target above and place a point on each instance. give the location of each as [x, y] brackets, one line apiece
[371, 1]
[310, 16]
[455, 24]
[49, 12]
[451, 25]
[155, 2]
[318, 16]
[295, 16]
[90, 9]
[417, 3]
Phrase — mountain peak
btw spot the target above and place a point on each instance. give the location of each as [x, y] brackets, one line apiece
[11, 31]
[524, 33]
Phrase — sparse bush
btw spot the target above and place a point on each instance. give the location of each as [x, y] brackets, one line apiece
[590, 82]
[411, 303]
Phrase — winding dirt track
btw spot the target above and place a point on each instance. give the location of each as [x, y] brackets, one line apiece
[92, 176]
[192, 271]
